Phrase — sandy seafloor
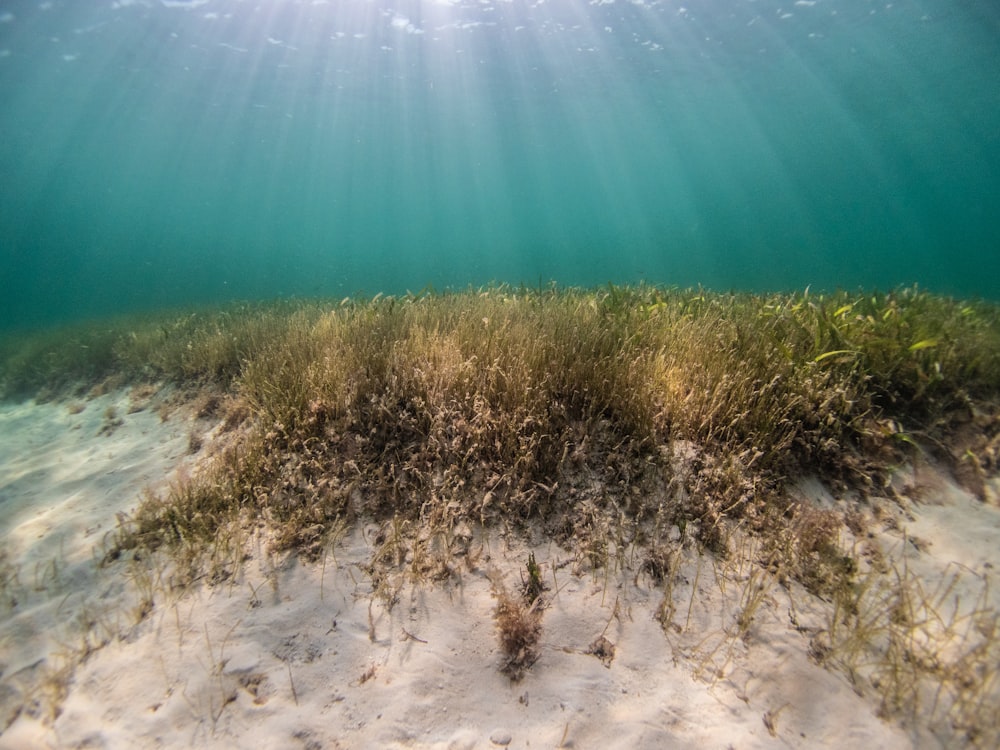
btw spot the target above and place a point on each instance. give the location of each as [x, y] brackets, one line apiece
[291, 654]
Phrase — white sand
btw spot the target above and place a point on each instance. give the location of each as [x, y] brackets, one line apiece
[300, 655]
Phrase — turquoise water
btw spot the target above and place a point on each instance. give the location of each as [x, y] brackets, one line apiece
[159, 152]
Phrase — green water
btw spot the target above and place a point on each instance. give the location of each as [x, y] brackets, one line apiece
[158, 153]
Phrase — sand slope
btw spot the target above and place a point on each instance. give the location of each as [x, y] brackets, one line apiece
[289, 654]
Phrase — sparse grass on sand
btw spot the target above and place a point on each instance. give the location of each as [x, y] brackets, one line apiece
[606, 419]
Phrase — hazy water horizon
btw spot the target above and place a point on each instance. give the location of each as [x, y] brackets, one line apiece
[169, 153]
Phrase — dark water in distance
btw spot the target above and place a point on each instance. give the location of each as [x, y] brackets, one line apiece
[167, 152]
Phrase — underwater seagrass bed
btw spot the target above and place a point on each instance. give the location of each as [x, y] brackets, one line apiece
[603, 419]
[489, 405]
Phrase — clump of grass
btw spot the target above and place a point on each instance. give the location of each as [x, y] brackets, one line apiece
[47, 363]
[519, 625]
[926, 655]
[206, 346]
[803, 542]
[532, 585]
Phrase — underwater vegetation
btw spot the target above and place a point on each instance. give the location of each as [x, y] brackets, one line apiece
[608, 419]
[512, 387]
[489, 405]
